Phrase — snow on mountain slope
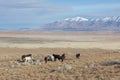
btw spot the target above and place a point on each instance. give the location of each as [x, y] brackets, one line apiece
[85, 24]
[76, 19]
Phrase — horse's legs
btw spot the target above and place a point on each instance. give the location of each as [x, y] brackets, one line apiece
[55, 59]
[61, 59]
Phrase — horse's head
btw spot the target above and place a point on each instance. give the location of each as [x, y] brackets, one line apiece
[45, 59]
[63, 56]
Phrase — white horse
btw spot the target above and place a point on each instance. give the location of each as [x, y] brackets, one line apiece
[50, 58]
[27, 58]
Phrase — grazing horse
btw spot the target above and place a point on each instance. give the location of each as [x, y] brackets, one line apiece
[78, 55]
[49, 58]
[26, 58]
[56, 56]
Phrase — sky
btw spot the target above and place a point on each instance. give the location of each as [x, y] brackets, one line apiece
[20, 14]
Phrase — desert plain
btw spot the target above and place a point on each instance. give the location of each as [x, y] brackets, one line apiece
[99, 60]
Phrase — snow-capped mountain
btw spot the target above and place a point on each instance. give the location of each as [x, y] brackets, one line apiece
[85, 24]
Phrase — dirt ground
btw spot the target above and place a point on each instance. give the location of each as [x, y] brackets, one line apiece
[100, 56]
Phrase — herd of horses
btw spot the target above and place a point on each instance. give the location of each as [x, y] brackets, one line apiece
[53, 57]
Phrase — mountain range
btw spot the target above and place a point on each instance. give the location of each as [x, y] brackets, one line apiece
[85, 24]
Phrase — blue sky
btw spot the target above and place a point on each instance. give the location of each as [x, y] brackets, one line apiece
[15, 14]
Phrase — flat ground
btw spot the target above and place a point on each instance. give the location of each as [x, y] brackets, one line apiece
[104, 40]
[97, 50]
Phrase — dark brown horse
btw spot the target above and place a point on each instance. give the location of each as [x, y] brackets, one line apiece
[56, 56]
[45, 59]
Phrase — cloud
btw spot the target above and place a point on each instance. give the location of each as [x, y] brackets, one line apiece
[99, 9]
[97, 6]
[31, 4]
[29, 11]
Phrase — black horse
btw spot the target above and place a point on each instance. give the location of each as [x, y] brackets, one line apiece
[56, 56]
[78, 55]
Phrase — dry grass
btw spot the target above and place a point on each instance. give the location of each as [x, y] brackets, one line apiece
[95, 48]
[82, 69]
